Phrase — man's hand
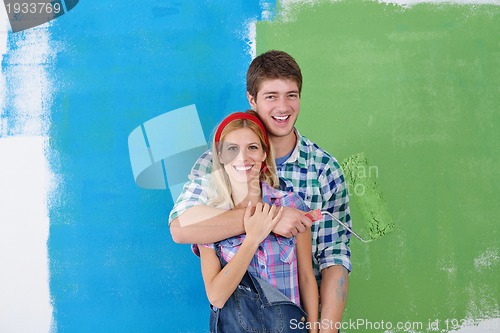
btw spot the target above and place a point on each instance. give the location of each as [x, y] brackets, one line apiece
[292, 222]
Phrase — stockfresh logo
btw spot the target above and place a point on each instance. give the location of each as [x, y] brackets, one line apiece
[28, 14]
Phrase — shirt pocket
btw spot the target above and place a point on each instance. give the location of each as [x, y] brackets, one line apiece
[287, 249]
[230, 246]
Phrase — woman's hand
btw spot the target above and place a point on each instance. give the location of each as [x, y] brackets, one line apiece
[221, 283]
[261, 223]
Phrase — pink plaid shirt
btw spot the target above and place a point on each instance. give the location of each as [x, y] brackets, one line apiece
[275, 260]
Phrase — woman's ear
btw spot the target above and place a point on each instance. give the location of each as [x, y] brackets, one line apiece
[264, 157]
[219, 156]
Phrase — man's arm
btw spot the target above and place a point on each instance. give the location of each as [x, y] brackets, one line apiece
[333, 246]
[333, 291]
[192, 221]
[203, 224]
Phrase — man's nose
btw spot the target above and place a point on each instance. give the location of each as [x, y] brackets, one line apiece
[282, 103]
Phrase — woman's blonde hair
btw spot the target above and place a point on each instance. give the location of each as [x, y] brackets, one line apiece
[220, 186]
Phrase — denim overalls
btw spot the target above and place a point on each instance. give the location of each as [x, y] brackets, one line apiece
[257, 307]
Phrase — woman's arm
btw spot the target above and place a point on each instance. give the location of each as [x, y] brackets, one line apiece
[220, 284]
[307, 281]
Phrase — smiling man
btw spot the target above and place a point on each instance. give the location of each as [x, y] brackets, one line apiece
[278, 103]
[274, 85]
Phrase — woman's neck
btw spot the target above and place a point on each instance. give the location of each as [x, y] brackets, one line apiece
[242, 193]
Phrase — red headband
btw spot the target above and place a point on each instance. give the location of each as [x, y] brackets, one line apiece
[247, 116]
[237, 116]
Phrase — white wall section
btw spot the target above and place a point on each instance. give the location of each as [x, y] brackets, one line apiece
[25, 179]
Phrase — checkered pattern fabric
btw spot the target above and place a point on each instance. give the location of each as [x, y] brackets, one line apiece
[275, 260]
[317, 178]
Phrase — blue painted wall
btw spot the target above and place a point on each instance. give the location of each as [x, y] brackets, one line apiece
[113, 265]
[117, 64]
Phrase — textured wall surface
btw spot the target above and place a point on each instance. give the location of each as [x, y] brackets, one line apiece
[417, 90]
[415, 87]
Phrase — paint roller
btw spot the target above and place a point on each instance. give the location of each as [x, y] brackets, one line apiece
[363, 189]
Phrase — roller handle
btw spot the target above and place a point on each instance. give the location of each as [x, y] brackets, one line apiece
[317, 214]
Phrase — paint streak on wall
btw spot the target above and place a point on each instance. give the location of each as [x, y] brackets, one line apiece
[26, 180]
[111, 256]
[112, 264]
[416, 89]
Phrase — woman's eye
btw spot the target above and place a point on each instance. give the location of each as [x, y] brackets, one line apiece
[232, 148]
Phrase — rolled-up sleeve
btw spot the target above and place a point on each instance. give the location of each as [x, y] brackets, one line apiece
[333, 238]
[196, 248]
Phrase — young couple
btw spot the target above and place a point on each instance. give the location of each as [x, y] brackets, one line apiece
[230, 206]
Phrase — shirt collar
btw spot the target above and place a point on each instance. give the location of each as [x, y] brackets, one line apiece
[269, 193]
[299, 152]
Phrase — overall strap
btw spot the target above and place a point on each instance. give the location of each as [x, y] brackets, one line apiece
[268, 294]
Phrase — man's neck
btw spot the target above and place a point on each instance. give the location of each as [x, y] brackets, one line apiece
[283, 145]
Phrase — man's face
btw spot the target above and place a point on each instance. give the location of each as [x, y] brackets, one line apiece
[278, 105]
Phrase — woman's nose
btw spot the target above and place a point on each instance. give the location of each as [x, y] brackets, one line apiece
[242, 156]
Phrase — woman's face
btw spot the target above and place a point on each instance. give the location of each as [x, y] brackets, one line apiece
[242, 155]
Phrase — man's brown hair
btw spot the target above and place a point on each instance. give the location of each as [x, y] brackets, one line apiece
[272, 65]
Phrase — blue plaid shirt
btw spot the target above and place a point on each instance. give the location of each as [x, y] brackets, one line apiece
[275, 260]
[316, 177]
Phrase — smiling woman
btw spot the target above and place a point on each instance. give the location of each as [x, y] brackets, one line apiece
[241, 155]
[234, 152]
[244, 272]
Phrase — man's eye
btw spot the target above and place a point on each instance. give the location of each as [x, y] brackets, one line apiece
[293, 96]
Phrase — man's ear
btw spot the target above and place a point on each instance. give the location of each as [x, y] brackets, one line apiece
[252, 100]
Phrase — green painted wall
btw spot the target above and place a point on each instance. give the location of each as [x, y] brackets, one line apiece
[417, 89]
